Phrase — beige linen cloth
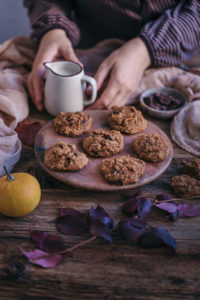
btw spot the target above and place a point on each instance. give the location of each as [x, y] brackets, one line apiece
[16, 57]
[185, 128]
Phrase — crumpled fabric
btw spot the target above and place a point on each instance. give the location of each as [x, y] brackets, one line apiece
[16, 57]
[10, 147]
[188, 85]
[185, 128]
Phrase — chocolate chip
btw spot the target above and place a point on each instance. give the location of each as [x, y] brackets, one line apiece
[163, 102]
[94, 152]
[61, 146]
[67, 162]
[107, 137]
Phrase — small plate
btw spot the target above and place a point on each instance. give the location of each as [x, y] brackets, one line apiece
[161, 114]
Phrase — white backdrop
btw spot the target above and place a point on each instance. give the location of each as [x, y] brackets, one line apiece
[13, 19]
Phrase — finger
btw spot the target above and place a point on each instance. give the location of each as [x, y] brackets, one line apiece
[102, 104]
[98, 104]
[102, 73]
[117, 101]
[37, 92]
[110, 92]
[69, 54]
[45, 55]
[120, 99]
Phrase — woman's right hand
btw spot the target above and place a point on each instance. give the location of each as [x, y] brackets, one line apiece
[53, 46]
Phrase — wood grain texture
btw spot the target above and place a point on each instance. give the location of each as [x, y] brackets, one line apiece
[99, 270]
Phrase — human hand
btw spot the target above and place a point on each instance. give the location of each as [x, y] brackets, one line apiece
[53, 46]
[125, 67]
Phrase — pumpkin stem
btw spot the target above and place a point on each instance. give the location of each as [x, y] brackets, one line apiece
[9, 176]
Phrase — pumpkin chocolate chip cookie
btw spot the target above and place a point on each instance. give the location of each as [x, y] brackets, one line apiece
[102, 143]
[151, 147]
[64, 157]
[122, 169]
[72, 124]
[126, 119]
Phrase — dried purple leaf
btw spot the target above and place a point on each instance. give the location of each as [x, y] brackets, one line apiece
[140, 205]
[137, 194]
[70, 211]
[47, 242]
[173, 215]
[169, 208]
[100, 215]
[100, 223]
[150, 240]
[166, 206]
[72, 222]
[100, 230]
[144, 208]
[157, 237]
[188, 210]
[130, 206]
[43, 259]
[132, 229]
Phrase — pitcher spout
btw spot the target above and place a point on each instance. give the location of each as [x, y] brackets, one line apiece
[48, 65]
[63, 68]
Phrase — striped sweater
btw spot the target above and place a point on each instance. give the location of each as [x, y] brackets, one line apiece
[169, 28]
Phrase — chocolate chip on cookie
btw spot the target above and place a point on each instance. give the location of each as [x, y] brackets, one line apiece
[151, 147]
[102, 143]
[126, 119]
[64, 157]
[72, 124]
[122, 169]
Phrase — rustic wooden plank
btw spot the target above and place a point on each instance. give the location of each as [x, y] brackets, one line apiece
[118, 274]
[100, 270]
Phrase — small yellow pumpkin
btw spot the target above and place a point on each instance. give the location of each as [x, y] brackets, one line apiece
[19, 194]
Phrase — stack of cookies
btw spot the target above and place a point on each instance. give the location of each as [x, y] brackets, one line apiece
[120, 169]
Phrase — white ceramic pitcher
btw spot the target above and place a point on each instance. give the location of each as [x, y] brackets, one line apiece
[64, 87]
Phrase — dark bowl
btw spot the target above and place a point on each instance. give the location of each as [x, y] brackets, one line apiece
[161, 114]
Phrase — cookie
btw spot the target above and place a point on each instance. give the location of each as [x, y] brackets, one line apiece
[192, 168]
[151, 147]
[122, 169]
[64, 157]
[185, 186]
[126, 119]
[72, 124]
[102, 143]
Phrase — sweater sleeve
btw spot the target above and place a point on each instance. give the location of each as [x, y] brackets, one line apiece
[50, 14]
[174, 35]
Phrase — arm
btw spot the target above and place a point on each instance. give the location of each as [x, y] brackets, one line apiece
[162, 42]
[50, 14]
[174, 34]
[56, 36]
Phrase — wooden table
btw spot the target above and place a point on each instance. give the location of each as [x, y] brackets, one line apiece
[99, 270]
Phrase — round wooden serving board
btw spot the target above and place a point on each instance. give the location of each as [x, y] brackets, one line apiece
[90, 177]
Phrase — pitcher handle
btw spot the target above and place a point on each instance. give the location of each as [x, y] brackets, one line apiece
[92, 82]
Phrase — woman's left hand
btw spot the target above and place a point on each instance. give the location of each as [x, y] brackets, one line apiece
[125, 67]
